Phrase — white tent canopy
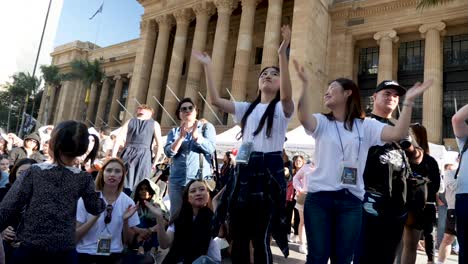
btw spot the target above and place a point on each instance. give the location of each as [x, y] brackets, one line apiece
[227, 140]
[299, 143]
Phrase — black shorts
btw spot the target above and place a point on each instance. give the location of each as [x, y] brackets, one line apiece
[451, 222]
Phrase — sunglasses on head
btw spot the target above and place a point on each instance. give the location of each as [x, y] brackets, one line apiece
[186, 109]
[108, 217]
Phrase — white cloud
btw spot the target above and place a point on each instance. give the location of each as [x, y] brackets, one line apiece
[22, 23]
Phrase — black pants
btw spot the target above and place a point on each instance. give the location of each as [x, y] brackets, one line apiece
[429, 221]
[290, 210]
[96, 259]
[26, 254]
[379, 240]
[251, 224]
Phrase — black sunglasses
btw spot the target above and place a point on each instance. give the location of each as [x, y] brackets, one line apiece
[186, 109]
[108, 217]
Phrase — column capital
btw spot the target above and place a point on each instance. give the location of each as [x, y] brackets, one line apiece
[147, 24]
[183, 16]
[390, 34]
[225, 6]
[439, 26]
[250, 3]
[165, 20]
[204, 9]
[129, 76]
[117, 77]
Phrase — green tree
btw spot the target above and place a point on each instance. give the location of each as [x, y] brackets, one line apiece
[25, 83]
[53, 79]
[89, 72]
[431, 3]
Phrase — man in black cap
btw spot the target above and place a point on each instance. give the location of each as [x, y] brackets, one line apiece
[384, 213]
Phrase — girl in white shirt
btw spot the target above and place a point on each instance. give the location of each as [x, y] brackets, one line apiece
[101, 238]
[257, 192]
[333, 206]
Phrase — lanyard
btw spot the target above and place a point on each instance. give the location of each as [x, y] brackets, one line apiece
[341, 142]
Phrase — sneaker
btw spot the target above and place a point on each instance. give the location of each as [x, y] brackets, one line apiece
[303, 249]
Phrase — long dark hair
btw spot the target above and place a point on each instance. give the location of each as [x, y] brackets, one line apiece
[295, 170]
[71, 139]
[267, 116]
[353, 103]
[192, 237]
[420, 134]
[19, 163]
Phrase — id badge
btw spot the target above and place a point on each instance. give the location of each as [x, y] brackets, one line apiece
[104, 245]
[349, 173]
[244, 153]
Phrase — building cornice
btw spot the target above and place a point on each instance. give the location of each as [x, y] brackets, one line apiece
[351, 11]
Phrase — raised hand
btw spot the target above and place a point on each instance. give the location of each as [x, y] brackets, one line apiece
[301, 73]
[183, 130]
[130, 211]
[195, 130]
[155, 209]
[202, 57]
[286, 34]
[417, 89]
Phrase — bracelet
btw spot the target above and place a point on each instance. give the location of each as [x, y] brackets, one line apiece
[411, 104]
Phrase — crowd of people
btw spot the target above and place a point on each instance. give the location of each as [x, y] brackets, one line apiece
[70, 194]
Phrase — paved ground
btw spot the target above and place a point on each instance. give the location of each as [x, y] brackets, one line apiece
[297, 258]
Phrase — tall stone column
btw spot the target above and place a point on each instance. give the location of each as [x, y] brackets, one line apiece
[143, 63]
[102, 103]
[165, 23]
[224, 8]
[272, 33]
[244, 48]
[183, 18]
[90, 110]
[40, 114]
[385, 39]
[348, 70]
[203, 12]
[50, 108]
[433, 70]
[114, 109]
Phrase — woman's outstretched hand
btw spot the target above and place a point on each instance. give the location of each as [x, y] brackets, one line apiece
[202, 57]
[301, 72]
[417, 89]
[286, 34]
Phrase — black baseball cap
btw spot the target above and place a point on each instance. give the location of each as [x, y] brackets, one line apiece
[390, 84]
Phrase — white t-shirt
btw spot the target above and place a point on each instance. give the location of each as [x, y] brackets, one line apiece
[213, 249]
[450, 188]
[463, 173]
[88, 244]
[329, 154]
[261, 142]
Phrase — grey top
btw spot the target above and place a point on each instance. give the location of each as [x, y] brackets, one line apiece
[140, 133]
[46, 195]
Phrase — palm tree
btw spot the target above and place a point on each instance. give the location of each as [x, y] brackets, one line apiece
[25, 83]
[431, 3]
[90, 73]
[53, 79]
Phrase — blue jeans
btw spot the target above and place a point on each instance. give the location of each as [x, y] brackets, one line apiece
[461, 207]
[27, 254]
[332, 222]
[176, 193]
[442, 209]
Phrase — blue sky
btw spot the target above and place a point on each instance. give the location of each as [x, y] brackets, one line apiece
[119, 21]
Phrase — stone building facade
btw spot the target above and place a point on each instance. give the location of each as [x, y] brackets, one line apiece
[365, 40]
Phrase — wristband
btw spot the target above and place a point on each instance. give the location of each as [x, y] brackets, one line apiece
[408, 104]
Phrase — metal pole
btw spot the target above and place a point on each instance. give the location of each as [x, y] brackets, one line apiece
[167, 113]
[90, 122]
[120, 123]
[137, 101]
[123, 107]
[172, 92]
[455, 104]
[35, 64]
[211, 109]
[103, 121]
[230, 94]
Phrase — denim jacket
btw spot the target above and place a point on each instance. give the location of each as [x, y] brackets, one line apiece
[185, 162]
